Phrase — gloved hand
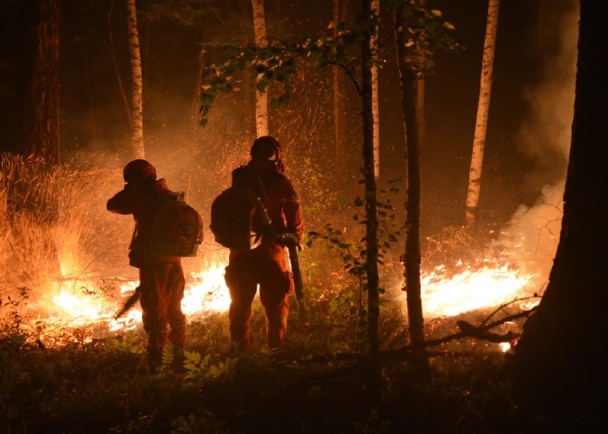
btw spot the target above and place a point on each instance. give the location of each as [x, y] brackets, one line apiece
[289, 239]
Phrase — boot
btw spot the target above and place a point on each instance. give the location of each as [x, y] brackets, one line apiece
[155, 361]
[178, 359]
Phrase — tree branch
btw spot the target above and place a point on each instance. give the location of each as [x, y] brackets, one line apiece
[466, 330]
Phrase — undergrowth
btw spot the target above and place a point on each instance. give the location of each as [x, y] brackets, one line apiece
[105, 386]
[315, 385]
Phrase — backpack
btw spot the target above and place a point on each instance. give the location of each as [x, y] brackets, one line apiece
[238, 214]
[177, 228]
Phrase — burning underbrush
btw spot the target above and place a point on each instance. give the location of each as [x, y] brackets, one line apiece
[66, 274]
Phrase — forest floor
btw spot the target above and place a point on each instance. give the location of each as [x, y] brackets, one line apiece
[105, 386]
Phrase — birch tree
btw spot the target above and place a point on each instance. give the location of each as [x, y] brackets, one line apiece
[278, 62]
[375, 5]
[137, 116]
[261, 94]
[483, 107]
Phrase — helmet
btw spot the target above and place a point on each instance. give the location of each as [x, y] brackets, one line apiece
[138, 171]
[266, 148]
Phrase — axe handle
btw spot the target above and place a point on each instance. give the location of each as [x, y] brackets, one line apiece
[297, 274]
[128, 304]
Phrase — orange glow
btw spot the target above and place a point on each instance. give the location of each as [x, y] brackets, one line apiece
[207, 292]
[450, 295]
[80, 306]
[70, 304]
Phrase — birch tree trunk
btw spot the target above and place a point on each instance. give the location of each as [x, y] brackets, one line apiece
[261, 95]
[38, 79]
[375, 91]
[483, 106]
[412, 98]
[137, 117]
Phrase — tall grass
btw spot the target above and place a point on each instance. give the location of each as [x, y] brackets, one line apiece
[55, 225]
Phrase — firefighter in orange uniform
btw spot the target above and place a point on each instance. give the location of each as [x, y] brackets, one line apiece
[161, 278]
[266, 264]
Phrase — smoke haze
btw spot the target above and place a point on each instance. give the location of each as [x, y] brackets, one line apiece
[545, 136]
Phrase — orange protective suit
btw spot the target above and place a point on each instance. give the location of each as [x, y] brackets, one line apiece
[266, 264]
[161, 278]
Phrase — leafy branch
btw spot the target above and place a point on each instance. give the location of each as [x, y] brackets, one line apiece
[354, 255]
[427, 32]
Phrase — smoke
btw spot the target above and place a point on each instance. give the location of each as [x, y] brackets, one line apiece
[545, 137]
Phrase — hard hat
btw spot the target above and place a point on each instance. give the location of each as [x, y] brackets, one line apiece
[266, 148]
[138, 171]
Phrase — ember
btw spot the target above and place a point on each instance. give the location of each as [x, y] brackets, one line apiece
[71, 305]
[62, 286]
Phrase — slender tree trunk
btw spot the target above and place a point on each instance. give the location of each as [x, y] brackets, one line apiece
[338, 84]
[38, 79]
[375, 92]
[412, 96]
[558, 368]
[137, 112]
[371, 227]
[483, 107]
[261, 96]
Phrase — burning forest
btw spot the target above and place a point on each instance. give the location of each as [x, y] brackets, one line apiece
[66, 275]
[64, 258]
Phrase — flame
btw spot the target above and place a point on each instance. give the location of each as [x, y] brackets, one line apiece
[207, 292]
[470, 289]
[491, 285]
[73, 302]
[82, 310]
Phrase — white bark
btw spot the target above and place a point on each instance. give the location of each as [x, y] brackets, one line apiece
[375, 5]
[483, 106]
[261, 39]
[137, 118]
[337, 88]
